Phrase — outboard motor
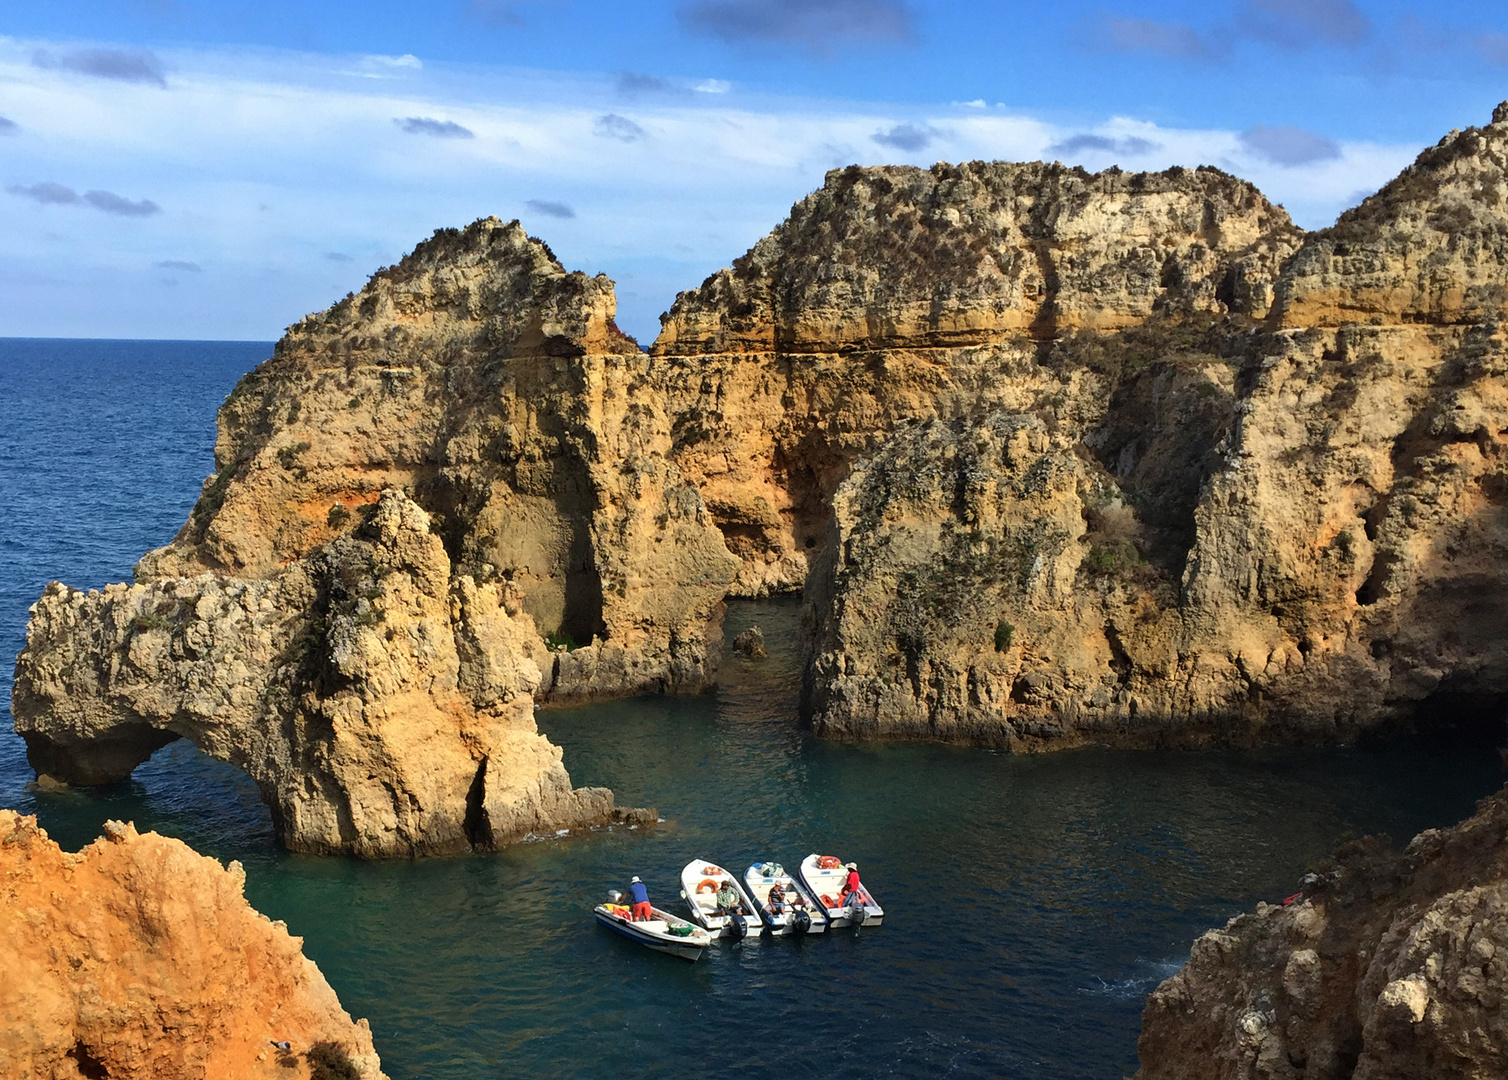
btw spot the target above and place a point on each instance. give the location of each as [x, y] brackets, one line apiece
[801, 922]
[739, 926]
[857, 913]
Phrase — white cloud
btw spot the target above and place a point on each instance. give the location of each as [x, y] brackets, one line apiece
[265, 163]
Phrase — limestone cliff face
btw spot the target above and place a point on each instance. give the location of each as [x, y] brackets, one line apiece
[137, 958]
[383, 704]
[899, 257]
[1291, 533]
[1056, 456]
[1384, 966]
[494, 389]
[894, 295]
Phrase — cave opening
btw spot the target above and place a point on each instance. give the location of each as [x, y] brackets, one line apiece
[1458, 716]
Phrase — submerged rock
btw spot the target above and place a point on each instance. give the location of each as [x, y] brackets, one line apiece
[1385, 965]
[138, 958]
[751, 642]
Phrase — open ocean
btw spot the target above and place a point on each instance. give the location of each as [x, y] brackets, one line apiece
[1031, 902]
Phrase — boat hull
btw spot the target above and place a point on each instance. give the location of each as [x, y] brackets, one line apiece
[817, 883]
[697, 879]
[782, 925]
[683, 948]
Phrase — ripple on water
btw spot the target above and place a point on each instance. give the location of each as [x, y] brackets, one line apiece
[1024, 896]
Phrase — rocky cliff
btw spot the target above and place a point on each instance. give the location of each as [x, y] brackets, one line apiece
[1385, 965]
[137, 958]
[383, 704]
[1056, 456]
[1294, 529]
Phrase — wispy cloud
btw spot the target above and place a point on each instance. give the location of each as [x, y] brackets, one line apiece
[1117, 33]
[338, 257]
[1085, 144]
[179, 264]
[124, 65]
[1493, 47]
[8, 126]
[1289, 146]
[634, 83]
[428, 125]
[613, 126]
[52, 194]
[1301, 24]
[818, 26]
[906, 137]
[550, 209]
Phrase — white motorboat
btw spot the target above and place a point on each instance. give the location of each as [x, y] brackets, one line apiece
[700, 881]
[822, 878]
[797, 914]
[664, 933]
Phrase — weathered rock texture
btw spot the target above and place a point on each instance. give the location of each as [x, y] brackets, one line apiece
[1296, 530]
[1066, 457]
[1387, 965]
[137, 958]
[383, 705]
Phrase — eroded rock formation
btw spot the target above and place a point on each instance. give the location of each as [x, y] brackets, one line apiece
[1288, 530]
[1386, 965]
[383, 705]
[137, 959]
[1057, 457]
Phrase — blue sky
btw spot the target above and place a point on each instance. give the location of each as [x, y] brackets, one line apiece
[182, 168]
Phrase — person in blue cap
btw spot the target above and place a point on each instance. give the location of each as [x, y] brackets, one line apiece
[638, 895]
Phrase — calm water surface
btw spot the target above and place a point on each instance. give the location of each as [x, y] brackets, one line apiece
[1032, 903]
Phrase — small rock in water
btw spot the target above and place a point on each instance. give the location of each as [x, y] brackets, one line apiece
[751, 642]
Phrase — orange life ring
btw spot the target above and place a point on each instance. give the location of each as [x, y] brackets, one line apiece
[711, 870]
[828, 900]
[707, 886]
[829, 862]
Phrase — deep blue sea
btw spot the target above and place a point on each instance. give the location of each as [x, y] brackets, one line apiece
[1032, 902]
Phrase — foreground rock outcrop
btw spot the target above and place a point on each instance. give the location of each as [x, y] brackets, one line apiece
[1386, 965]
[137, 958]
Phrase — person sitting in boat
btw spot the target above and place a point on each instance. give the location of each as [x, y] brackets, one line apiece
[727, 899]
[776, 899]
[639, 895]
[851, 889]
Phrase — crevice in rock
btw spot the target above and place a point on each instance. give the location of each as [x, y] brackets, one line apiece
[89, 1066]
[476, 825]
[1374, 587]
[1120, 660]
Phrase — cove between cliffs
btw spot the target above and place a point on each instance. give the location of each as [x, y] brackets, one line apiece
[1086, 875]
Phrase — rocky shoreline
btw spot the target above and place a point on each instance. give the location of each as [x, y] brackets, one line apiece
[1385, 964]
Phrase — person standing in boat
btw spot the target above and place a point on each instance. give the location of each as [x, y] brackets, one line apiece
[727, 899]
[851, 887]
[639, 896]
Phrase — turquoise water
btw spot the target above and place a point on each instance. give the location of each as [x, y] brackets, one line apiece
[1031, 902]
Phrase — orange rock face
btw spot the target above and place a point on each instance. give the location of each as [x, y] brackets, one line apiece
[138, 957]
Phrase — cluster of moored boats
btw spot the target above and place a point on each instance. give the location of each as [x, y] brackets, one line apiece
[768, 901]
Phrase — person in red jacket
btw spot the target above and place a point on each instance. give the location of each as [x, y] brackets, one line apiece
[851, 886]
